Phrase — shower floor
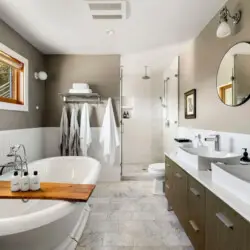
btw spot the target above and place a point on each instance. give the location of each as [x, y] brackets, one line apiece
[135, 172]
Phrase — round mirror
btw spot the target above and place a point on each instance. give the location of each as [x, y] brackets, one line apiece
[233, 78]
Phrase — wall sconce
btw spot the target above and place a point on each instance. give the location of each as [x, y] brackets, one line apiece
[41, 75]
[224, 29]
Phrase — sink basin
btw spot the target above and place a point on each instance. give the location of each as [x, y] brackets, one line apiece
[211, 154]
[233, 178]
[202, 157]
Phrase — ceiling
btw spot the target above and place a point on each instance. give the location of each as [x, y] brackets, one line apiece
[66, 26]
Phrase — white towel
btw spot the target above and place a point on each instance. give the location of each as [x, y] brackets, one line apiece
[85, 131]
[109, 134]
[64, 132]
[80, 86]
[74, 139]
[80, 91]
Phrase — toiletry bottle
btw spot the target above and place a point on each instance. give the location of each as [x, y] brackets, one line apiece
[34, 182]
[245, 159]
[15, 182]
[25, 182]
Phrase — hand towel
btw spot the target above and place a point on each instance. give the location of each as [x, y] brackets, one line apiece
[85, 130]
[74, 138]
[109, 134]
[64, 132]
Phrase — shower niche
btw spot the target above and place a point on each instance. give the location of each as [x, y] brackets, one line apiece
[127, 107]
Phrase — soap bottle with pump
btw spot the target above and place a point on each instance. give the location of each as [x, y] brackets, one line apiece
[198, 142]
[245, 159]
[34, 182]
[15, 182]
[25, 182]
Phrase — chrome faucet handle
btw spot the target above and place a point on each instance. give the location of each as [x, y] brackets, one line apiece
[14, 149]
[12, 152]
[216, 136]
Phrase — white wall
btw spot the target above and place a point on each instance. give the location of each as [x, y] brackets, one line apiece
[108, 173]
[43, 143]
[32, 138]
[225, 72]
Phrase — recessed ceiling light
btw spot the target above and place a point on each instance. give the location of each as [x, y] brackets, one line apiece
[110, 32]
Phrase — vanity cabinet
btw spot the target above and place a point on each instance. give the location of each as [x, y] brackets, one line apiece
[176, 190]
[196, 204]
[209, 222]
[169, 192]
[225, 229]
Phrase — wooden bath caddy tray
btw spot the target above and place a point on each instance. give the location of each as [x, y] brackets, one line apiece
[50, 191]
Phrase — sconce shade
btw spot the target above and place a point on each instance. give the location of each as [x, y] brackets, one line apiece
[41, 75]
[223, 30]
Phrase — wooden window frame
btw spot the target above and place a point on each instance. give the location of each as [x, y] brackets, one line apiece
[20, 87]
[223, 91]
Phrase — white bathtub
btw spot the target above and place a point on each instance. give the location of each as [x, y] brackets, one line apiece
[48, 225]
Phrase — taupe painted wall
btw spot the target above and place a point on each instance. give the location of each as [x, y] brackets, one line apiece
[198, 69]
[33, 118]
[102, 72]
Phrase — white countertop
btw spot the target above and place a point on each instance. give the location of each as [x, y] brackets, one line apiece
[205, 178]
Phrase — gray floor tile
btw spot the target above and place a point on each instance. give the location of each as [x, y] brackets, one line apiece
[126, 216]
[116, 239]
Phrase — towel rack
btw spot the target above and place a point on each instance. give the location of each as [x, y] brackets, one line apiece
[79, 97]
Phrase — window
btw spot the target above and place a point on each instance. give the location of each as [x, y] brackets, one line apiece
[13, 80]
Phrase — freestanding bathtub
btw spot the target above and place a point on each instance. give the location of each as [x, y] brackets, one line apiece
[48, 225]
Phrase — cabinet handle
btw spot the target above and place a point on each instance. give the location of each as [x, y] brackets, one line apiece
[194, 192]
[167, 186]
[168, 165]
[225, 220]
[194, 226]
[178, 175]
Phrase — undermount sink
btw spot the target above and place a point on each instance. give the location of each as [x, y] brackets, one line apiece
[202, 157]
[233, 178]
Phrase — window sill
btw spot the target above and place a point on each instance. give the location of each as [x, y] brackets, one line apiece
[13, 107]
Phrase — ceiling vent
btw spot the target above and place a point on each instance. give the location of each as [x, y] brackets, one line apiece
[107, 10]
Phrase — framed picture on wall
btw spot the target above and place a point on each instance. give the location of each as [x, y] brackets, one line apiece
[190, 104]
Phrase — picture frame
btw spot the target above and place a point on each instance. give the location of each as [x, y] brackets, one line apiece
[190, 104]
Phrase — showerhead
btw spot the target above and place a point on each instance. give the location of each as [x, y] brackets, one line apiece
[146, 77]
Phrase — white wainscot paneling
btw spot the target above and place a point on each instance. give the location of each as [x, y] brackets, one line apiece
[231, 142]
[31, 138]
[108, 173]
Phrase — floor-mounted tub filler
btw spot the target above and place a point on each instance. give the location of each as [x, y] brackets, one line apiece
[48, 225]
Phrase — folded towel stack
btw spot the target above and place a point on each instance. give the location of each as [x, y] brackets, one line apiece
[80, 88]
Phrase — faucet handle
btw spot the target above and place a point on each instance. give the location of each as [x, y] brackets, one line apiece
[197, 136]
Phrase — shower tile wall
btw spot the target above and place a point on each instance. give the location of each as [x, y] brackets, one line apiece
[142, 136]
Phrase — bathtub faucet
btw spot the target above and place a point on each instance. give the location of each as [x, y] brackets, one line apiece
[19, 162]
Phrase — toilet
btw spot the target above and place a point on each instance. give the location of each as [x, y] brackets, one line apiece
[157, 171]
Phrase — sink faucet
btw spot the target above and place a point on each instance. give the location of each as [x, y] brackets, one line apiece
[216, 139]
[18, 160]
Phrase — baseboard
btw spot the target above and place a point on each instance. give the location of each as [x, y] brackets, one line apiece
[136, 178]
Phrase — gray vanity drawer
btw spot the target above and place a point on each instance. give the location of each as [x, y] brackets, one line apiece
[196, 213]
[225, 229]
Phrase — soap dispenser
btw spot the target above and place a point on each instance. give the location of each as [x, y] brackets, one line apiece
[15, 182]
[34, 182]
[245, 159]
[25, 182]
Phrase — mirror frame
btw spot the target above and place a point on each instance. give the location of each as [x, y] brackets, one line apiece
[248, 97]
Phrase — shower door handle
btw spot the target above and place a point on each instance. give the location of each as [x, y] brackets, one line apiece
[122, 127]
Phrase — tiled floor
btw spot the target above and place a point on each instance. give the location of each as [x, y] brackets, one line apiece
[125, 216]
[135, 171]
